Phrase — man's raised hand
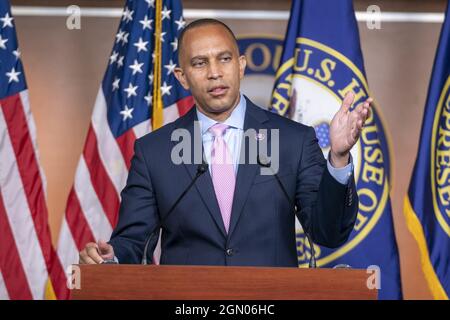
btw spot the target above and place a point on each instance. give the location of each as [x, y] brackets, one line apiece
[345, 129]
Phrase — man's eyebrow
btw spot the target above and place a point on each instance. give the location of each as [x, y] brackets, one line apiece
[199, 57]
[225, 52]
[221, 53]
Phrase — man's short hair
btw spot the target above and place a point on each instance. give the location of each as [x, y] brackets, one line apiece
[200, 23]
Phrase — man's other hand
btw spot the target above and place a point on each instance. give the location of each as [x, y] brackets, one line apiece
[96, 253]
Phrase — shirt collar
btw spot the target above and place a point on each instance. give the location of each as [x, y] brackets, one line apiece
[235, 120]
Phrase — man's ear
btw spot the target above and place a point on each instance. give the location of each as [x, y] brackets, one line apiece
[179, 74]
[242, 65]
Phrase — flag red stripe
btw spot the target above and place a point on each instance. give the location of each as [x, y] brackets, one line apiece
[78, 225]
[28, 167]
[184, 105]
[12, 270]
[58, 277]
[126, 146]
[29, 172]
[100, 179]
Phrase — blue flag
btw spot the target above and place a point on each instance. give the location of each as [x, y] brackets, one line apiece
[427, 204]
[321, 62]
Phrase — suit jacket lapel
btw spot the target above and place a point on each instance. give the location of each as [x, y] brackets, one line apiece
[204, 183]
[254, 119]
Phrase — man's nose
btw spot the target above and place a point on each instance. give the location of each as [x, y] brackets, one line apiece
[214, 71]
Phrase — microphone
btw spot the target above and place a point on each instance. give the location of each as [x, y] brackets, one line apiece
[201, 169]
[263, 162]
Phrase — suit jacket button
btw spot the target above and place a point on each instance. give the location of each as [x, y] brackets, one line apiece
[229, 252]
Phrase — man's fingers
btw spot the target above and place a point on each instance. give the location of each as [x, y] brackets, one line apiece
[91, 255]
[365, 114]
[347, 102]
[92, 252]
[105, 249]
[367, 106]
[355, 119]
[85, 259]
[361, 112]
[364, 108]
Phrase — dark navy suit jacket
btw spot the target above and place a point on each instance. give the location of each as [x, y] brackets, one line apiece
[262, 227]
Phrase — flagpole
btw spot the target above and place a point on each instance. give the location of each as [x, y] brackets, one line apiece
[157, 115]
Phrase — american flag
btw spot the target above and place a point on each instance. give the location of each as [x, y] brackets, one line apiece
[27, 258]
[123, 112]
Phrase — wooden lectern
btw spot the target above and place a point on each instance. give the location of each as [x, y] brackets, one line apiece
[219, 283]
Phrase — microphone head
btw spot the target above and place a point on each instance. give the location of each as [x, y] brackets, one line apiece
[263, 161]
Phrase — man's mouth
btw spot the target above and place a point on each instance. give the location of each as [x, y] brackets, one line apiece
[218, 91]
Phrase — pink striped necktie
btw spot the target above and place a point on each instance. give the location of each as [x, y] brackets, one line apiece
[222, 172]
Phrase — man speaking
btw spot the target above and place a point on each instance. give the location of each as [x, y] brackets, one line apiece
[233, 214]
